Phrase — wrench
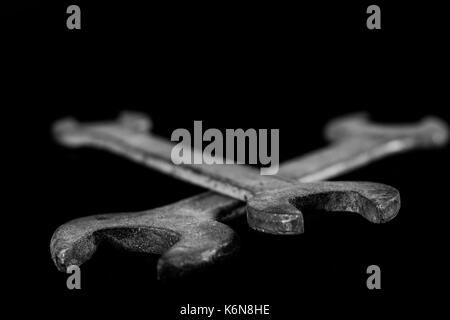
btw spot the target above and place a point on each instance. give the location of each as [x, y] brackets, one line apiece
[187, 232]
[272, 203]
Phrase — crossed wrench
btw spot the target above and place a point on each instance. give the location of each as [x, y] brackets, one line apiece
[188, 234]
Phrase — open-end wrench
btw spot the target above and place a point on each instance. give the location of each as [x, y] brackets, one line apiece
[272, 202]
[187, 233]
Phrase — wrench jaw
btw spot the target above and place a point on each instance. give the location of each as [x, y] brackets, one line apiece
[201, 246]
[76, 241]
[71, 133]
[429, 132]
[64, 126]
[373, 210]
[377, 203]
[187, 242]
[273, 212]
[66, 251]
[135, 121]
[381, 203]
[279, 211]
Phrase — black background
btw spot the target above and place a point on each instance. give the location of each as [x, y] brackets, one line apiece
[232, 66]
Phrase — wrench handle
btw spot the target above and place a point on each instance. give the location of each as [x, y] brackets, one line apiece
[236, 181]
[341, 157]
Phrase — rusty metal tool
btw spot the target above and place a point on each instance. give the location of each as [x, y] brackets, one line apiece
[187, 232]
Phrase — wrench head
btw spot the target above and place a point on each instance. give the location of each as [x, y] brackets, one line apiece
[429, 132]
[186, 242]
[70, 132]
[278, 211]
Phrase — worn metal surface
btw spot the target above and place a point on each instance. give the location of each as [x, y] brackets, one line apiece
[187, 234]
